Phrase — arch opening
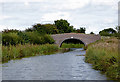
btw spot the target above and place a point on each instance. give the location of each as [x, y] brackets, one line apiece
[72, 41]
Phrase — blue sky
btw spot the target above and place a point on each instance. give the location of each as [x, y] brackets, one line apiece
[95, 15]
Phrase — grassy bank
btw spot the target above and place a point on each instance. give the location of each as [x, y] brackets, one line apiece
[103, 55]
[20, 51]
[70, 45]
[0, 53]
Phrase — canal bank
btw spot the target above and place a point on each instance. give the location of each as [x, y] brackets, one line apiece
[103, 55]
[60, 66]
[28, 50]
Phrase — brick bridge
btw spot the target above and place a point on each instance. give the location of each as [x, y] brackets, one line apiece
[84, 38]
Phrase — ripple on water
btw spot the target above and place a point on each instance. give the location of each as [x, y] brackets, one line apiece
[60, 66]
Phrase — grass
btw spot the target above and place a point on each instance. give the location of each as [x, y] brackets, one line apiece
[103, 55]
[71, 45]
[0, 53]
[20, 51]
[0, 47]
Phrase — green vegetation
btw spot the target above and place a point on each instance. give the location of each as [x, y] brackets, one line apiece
[108, 32]
[59, 26]
[63, 26]
[20, 51]
[25, 37]
[71, 45]
[92, 33]
[37, 41]
[43, 29]
[103, 55]
[118, 32]
[0, 38]
[33, 41]
[81, 30]
[17, 44]
[0, 53]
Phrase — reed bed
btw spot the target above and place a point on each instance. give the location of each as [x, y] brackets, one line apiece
[103, 55]
[20, 51]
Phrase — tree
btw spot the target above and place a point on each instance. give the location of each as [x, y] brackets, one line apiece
[108, 32]
[63, 26]
[81, 30]
[50, 29]
[28, 30]
[91, 33]
[39, 28]
[44, 29]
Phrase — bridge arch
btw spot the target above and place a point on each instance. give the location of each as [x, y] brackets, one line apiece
[72, 40]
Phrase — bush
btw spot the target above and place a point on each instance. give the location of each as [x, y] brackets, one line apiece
[26, 37]
[36, 38]
[10, 38]
[48, 39]
[105, 34]
[108, 32]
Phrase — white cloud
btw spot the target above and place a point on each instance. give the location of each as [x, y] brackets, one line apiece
[2, 17]
[55, 16]
[2, 27]
[74, 4]
[112, 3]
[105, 2]
[109, 20]
[26, 3]
[94, 29]
[5, 1]
[93, 14]
[67, 4]
[59, 4]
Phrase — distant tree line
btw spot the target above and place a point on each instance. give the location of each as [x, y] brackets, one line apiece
[59, 26]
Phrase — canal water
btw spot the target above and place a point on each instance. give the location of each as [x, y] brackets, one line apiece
[61, 66]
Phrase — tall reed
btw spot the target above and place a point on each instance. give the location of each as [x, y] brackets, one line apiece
[104, 56]
[20, 51]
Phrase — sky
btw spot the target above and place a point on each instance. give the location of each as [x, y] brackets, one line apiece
[94, 15]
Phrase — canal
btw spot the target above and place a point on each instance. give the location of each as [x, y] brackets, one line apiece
[61, 66]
